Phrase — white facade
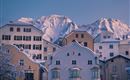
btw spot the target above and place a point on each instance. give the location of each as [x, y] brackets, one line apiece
[25, 36]
[73, 62]
[124, 47]
[107, 48]
[103, 35]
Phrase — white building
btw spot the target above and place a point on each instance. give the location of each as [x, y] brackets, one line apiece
[124, 47]
[102, 36]
[107, 48]
[74, 62]
[28, 37]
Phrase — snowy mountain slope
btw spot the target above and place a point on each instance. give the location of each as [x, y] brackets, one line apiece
[53, 26]
[115, 26]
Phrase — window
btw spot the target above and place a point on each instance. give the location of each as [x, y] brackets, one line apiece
[100, 47]
[68, 54]
[6, 37]
[75, 73]
[79, 54]
[55, 74]
[27, 38]
[112, 60]
[82, 35]
[111, 46]
[73, 62]
[17, 37]
[73, 40]
[27, 46]
[27, 30]
[45, 49]
[127, 52]
[114, 68]
[37, 38]
[76, 35]
[95, 73]
[11, 29]
[18, 29]
[85, 44]
[21, 62]
[37, 47]
[108, 36]
[54, 49]
[29, 76]
[45, 57]
[89, 62]
[39, 56]
[58, 62]
[104, 37]
[111, 54]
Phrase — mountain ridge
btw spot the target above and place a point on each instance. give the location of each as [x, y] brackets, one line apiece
[55, 26]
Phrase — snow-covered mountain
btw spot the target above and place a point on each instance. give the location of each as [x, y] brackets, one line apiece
[113, 25]
[53, 26]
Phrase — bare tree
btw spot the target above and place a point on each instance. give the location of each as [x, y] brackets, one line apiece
[7, 70]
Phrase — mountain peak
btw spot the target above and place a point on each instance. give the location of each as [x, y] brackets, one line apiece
[112, 25]
[53, 26]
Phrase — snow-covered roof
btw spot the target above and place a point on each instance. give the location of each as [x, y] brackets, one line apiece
[77, 31]
[120, 55]
[20, 24]
[110, 41]
[55, 45]
[23, 52]
[73, 45]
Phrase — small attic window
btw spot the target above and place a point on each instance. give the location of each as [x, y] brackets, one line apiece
[79, 54]
[68, 54]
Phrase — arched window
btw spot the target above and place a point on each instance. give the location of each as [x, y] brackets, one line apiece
[74, 73]
[95, 73]
[55, 73]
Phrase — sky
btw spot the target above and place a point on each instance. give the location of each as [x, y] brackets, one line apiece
[80, 11]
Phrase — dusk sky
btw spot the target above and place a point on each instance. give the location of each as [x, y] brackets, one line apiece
[80, 11]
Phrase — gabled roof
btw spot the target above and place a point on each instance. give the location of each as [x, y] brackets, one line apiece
[118, 56]
[51, 43]
[20, 25]
[74, 44]
[101, 33]
[77, 31]
[110, 41]
[8, 46]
